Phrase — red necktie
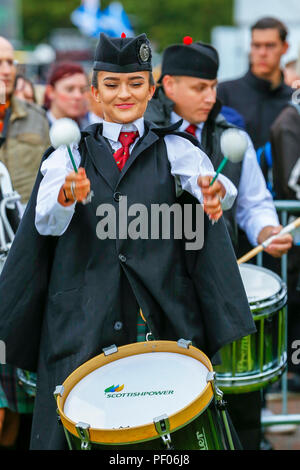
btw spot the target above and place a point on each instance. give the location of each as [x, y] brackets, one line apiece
[122, 154]
[191, 129]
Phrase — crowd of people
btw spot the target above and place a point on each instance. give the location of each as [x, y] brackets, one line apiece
[191, 110]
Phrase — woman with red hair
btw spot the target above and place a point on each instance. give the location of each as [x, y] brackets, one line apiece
[65, 94]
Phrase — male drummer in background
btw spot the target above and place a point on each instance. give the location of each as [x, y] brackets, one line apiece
[188, 92]
[77, 294]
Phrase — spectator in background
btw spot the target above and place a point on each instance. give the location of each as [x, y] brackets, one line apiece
[291, 72]
[261, 94]
[24, 89]
[65, 95]
[24, 129]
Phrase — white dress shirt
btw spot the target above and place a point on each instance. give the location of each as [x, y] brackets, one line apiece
[254, 206]
[187, 162]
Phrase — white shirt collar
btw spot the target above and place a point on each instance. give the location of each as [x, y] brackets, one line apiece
[111, 130]
[185, 124]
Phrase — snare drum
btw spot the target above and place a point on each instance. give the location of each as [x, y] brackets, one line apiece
[150, 395]
[257, 360]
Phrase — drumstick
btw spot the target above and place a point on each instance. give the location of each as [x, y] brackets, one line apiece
[219, 169]
[287, 229]
[72, 158]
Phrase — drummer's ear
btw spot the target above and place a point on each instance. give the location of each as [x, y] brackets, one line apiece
[95, 94]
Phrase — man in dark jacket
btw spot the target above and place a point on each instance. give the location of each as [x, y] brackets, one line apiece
[261, 94]
[189, 78]
[285, 140]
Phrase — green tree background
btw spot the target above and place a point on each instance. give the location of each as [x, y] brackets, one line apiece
[164, 21]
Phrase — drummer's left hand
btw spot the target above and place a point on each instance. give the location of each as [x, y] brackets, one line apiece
[280, 246]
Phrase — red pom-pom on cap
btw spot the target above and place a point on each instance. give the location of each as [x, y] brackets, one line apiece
[187, 40]
[123, 35]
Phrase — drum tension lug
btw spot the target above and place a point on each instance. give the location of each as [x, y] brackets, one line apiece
[110, 350]
[84, 435]
[218, 394]
[183, 343]
[162, 426]
[58, 392]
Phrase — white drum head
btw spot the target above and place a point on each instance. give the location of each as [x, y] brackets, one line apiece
[134, 390]
[260, 284]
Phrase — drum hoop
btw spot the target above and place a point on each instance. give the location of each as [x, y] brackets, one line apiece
[147, 431]
[266, 309]
[273, 299]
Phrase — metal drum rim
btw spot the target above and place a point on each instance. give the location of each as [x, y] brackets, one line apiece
[148, 431]
[268, 309]
[271, 300]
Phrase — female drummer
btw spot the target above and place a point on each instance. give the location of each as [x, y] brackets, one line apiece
[83, 284]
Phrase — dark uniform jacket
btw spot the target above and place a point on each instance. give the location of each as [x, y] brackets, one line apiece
[159, 111]
[62, 297]
[258, 103]
[285, 140]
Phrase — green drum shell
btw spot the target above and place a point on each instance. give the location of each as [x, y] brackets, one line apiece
[257, 360]
[205, 432]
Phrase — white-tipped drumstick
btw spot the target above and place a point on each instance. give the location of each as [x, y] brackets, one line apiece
[65, 131]
[234, 144]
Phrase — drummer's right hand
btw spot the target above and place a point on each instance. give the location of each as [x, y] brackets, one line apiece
[75, 188]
